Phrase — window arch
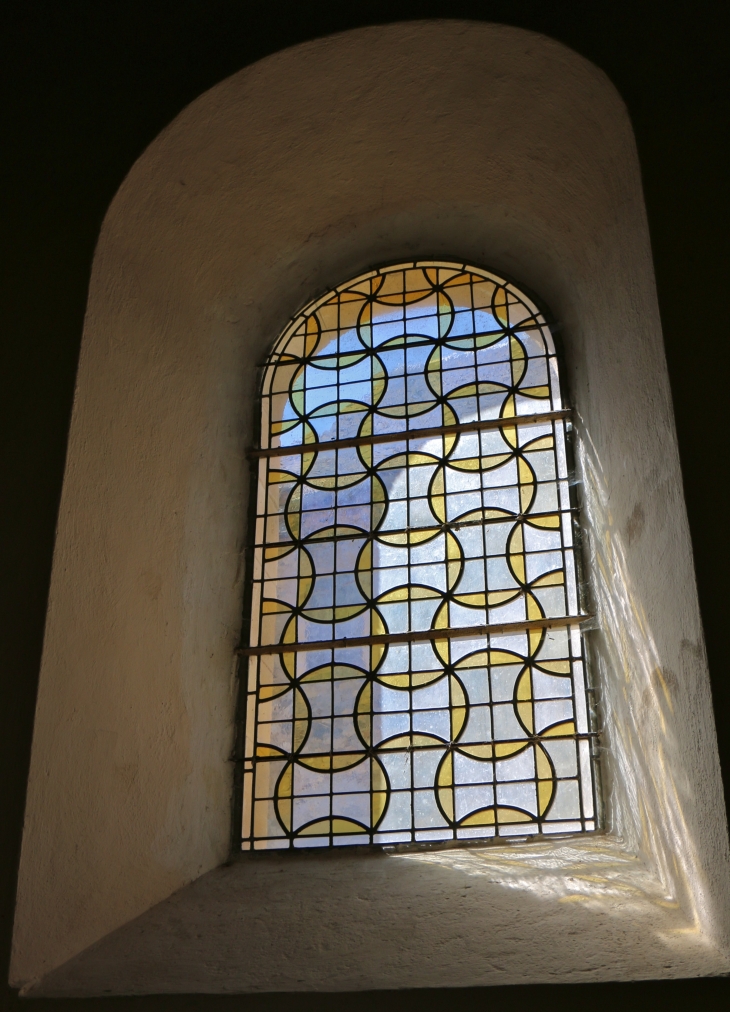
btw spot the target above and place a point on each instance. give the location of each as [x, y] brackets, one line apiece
[416, 668]
[153, 497]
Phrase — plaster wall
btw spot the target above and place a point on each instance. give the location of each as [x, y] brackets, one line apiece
[420, 139]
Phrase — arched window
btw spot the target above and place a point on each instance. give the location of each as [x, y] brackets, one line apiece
[415, 663]
[304, 167]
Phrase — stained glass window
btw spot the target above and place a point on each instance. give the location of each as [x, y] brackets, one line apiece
[415, 664]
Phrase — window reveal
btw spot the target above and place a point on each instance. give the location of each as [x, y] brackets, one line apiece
[415, 667]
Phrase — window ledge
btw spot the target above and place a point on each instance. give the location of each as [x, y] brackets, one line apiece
[586, 910]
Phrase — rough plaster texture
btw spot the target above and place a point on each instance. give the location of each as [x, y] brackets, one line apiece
[434, 138]
[527, 913]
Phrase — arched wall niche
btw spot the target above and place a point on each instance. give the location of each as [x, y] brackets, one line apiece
[447, 138]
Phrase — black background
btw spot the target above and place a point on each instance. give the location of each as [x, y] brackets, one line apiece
[88, 85]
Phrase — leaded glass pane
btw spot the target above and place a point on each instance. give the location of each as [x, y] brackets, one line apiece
[415, 668]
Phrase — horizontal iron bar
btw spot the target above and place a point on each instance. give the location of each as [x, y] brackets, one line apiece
[395, 437]
[452, 525]
[379, 749]
[415, 636]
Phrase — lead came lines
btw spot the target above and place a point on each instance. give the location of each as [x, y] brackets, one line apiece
[413, 662]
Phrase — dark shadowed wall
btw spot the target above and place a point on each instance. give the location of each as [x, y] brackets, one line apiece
[88, 86]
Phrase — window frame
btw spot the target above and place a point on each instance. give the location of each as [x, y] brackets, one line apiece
[243, 808]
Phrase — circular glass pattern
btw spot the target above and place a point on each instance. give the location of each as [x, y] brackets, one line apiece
[414, 673]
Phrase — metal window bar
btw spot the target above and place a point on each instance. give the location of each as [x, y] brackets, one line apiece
[408, 434]
[472, 632]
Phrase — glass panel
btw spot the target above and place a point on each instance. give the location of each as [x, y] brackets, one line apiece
[446, 514]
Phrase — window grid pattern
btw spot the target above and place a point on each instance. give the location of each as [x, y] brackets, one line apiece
[470, 733]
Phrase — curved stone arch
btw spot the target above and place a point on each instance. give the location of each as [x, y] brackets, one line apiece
[384, 143]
